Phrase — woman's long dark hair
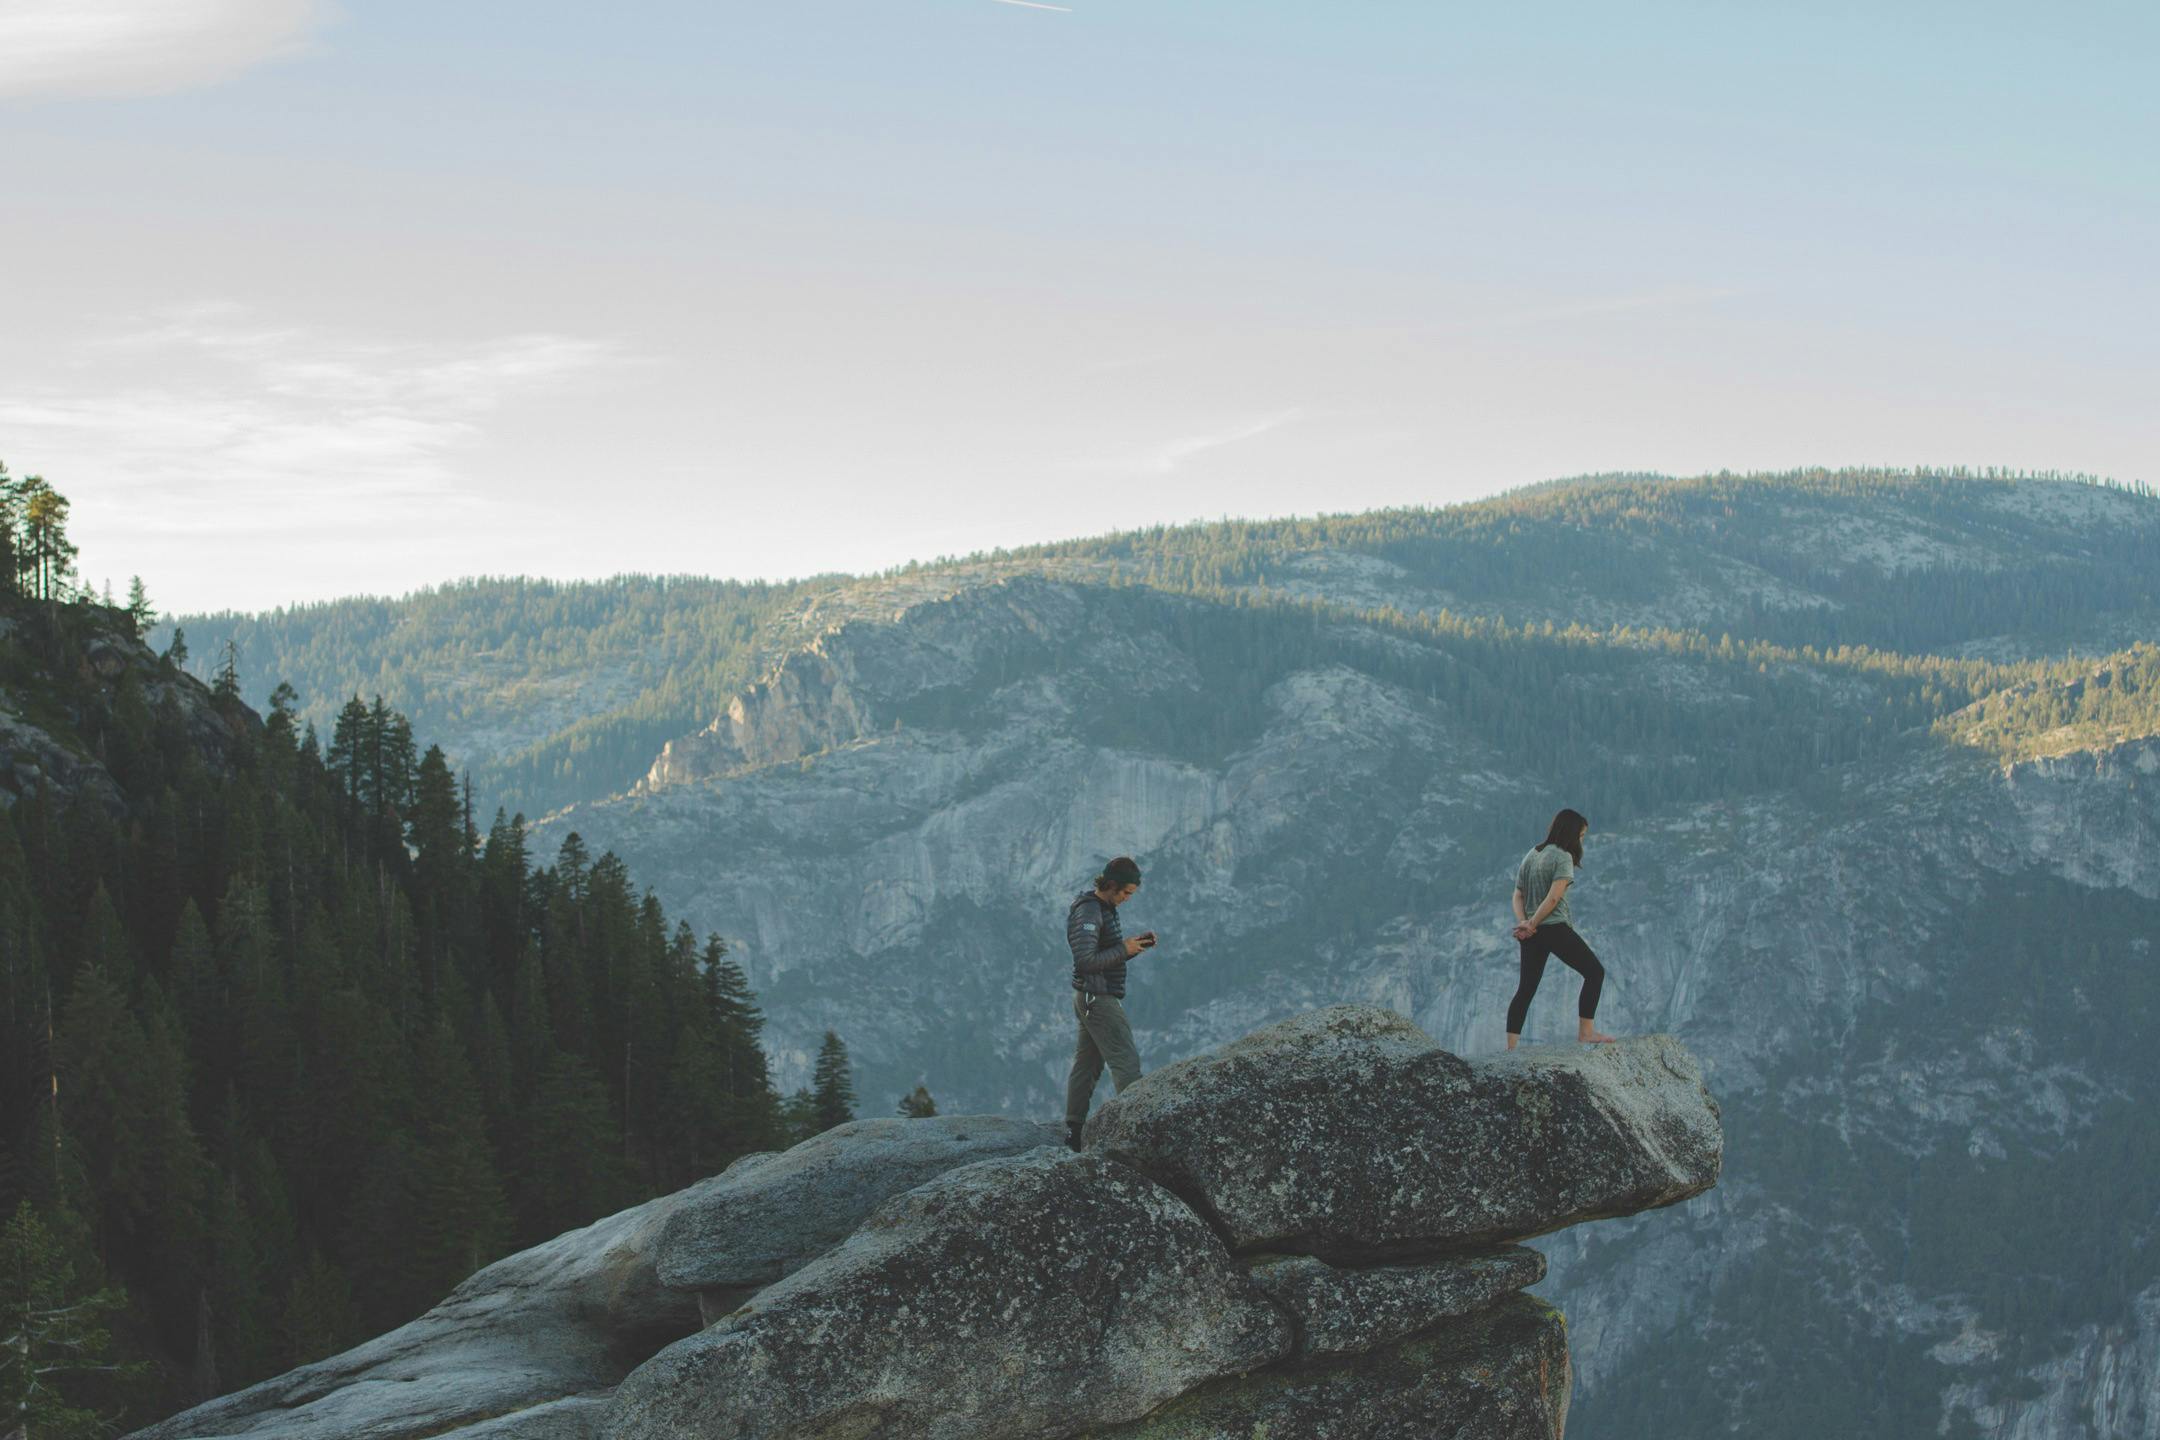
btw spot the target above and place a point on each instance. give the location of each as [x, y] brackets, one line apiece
[1566, 832]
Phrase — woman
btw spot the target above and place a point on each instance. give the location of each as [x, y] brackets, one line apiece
[1542, 881]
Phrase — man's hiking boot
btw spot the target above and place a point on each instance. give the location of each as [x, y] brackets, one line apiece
[1072, 1135]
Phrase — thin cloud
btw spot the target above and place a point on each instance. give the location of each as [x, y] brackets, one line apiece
[1166, 458]
[57, 48]
[208, 423]
[1036, 5]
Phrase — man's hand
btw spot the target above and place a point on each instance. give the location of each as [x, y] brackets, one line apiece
[1143, 941]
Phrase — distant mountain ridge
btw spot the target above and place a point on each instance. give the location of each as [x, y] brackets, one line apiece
[552, 692]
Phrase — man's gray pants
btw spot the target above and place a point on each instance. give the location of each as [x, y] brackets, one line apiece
[1104, 1036]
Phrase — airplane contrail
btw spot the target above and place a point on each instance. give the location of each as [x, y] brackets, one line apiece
[1037, 5]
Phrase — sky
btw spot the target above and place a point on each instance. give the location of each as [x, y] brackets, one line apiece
[301, 300]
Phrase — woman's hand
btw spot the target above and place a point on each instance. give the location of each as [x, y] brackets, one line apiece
[1524, 930]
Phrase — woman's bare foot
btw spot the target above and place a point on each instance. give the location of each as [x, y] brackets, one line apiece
[1591, 1035]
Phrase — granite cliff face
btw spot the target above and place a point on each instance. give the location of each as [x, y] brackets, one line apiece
[832, 692]
[888, 829]
[953, 1277]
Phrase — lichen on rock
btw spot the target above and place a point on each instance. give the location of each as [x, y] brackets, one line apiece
[1036, 1295]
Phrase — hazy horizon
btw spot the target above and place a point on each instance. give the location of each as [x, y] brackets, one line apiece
[961, 557]
[937, 558]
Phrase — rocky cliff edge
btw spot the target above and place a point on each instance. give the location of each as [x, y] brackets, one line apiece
[1308, 1232]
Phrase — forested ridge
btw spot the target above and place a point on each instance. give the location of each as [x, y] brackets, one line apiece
[1773, 720]
[564, 692]
[290, 1043]
[1625, 538]
[2072, 706]
[1664, 716]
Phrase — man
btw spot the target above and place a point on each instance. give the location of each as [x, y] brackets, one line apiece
[1099, 951]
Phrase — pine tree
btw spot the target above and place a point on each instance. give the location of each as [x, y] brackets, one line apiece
[350, 752]
[226, 684]
[465, 792]
[316, 1317]
[141, 614]
[917, 1105]
[274, 1235]
[646, 1024]
[105, 941]
[23, 990]
[532, 1035]
[176, 1171]
[697, 1107]
[400, 764]
[386, 744]
[379, 1216]
[441, 866]
[461, 1219]
[200, 997]
[354, 1088]
[10, 538]
[434, 825]
[571, 1157]
[572, 862]
[282, 723]
[834, 1085]
[754, 1118]
[51, 554]
[176, 649]
[55, 1336]
[233, 1342]
[101, 1057]
[494, 1072]
[721, 1104]
[504, 880]
[265, 1044]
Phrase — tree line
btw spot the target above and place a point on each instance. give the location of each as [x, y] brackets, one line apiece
[1631, 539]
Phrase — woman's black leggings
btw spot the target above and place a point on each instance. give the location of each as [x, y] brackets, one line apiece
[1560, 940]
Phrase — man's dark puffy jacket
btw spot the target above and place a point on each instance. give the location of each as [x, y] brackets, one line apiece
[1098, 946]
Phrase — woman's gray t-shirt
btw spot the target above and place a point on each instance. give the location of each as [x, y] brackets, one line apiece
[1539, 871]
